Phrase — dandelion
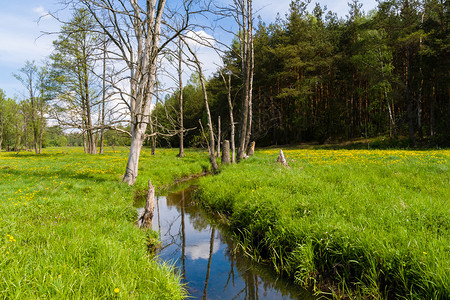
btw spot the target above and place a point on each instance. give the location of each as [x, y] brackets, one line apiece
[116, 290]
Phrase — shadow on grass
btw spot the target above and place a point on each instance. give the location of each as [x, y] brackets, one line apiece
[379, 143]
[47, 174]
[32, 154]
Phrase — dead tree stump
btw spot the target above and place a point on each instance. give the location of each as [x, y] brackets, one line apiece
[226, 152]
[282, 160]
[147, 216]
[251, 149]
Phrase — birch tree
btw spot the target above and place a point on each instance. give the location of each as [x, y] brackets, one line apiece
[137, 34]
[198, 65]
[3, 117]
[73, 60]
[180, 85]
[243, 14]
[227, 84]
[34, 81]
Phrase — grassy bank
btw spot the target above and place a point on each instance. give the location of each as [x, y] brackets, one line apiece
[66, 225]
[366, 223]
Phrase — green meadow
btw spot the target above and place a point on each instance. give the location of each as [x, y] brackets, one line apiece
[369, 224]
[366, 224]
[67, 225]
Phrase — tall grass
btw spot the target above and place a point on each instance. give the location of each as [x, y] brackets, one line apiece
[364, 223]
[67, 225]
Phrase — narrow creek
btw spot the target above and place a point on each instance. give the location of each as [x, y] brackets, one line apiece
[203, 254]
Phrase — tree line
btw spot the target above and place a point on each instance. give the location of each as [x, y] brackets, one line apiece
[321, 78]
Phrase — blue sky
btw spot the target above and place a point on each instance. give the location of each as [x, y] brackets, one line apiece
[21, 34]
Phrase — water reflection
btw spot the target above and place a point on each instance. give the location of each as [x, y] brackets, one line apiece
[201, 252]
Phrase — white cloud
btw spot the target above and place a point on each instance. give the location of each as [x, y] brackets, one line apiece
[200, 39]
[40, 11]
[201, 250]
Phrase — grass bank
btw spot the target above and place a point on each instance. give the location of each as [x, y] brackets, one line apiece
[67, 225]
[371, 224]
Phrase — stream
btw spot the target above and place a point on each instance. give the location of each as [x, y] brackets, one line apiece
[204, 255]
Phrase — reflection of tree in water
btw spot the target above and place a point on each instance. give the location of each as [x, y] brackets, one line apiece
[183, 238]
[259, 281]
[208, 269]
[197, 217]
[257, 277]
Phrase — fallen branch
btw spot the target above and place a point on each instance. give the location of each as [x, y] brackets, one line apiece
[147, 216]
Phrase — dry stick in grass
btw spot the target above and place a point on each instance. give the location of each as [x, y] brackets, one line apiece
[147, 216]
[226, 152]
[281, 159]
[251, 149]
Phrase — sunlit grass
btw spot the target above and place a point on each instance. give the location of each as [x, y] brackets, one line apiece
[374, 222]
[67, 225]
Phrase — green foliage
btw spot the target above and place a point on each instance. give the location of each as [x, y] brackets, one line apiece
[193, 107]
[371, 223]
[321, 78]
[74, 60]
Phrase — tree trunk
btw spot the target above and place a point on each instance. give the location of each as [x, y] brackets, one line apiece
[251, 66]
[230, 106]
[180, 82]
[251, 149]
[282, 160]
[41, 129]
[152, 128]
[92, 146]
[25, 134]
[218, 137]
[226, 152]
[212, 157]
[33, 121]
[208, 268]
[153, 140]
[41, 136]
[145, 68]
[432, 119]
[84, 142]
[35, 141]
[392, 125]
[183, 237]
[18, 141]
[147, 216]
[409, 99]
[246, 27]
[102, 117]
[131, 172]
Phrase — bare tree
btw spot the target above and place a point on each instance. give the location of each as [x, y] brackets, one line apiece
[74, 60]
[218, 137]
[180, 86]
[135, 29]
[230, 106]
[102, 111]
[211, 143]
[33, 80]
[242, 12]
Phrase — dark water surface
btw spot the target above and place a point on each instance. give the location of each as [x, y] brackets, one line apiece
[204, 255]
